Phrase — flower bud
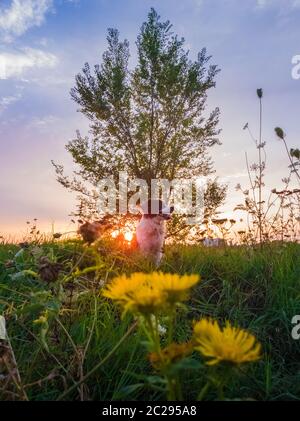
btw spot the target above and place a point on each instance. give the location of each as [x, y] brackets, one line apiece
[279, 132]
[259, 93]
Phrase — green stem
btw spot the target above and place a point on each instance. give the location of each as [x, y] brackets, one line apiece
[260, 174]
[221, 391]
[178, 389]
[203, 391]
[171, 326]
[171, 396]
[97, 366]
[154, 333]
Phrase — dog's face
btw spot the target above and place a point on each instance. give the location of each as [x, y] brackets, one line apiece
[156, 210]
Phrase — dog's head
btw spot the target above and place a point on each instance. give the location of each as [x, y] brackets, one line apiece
[156, 209]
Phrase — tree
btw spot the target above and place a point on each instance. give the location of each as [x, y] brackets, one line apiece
[149, 121]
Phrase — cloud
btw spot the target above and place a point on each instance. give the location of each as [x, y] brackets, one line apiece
[198, 3]
[228, 177]
[22, 15]
[290, 4]
[6, 101]
[15, 64]
[261, 3]
[44, 123]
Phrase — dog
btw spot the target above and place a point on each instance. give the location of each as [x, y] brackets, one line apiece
[150, 231]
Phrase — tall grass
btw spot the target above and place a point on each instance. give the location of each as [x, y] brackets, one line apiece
[255, 289]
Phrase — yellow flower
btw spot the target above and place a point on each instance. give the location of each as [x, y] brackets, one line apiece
[121, 287]
[230, 344]
[136, 293]
[175, 286]
[43, 319]
[145, 300]
[148, 293]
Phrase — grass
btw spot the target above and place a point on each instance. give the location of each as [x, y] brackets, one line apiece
[254, 289]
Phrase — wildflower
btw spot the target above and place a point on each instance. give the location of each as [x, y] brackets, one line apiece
[229, 344]
[9, 264]
[259, 93]
[161, 330]
[102, 283]
[145, 300]
[24, 245]
[254, 167]
[90, 231]
[295, 153]
[121, 287]
[136, 293]
[279, 132]
[261, 145]
[48, 270]
[43, 319]
[171, 354]
[57, 235]
[175, 286]
[149, 293]
[221, 221]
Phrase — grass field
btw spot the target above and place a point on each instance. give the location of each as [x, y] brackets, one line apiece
[68, 340]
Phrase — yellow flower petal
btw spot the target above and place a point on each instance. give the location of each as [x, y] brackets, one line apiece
[148, 293]
[228, 344]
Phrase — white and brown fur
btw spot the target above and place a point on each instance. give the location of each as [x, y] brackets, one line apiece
[150, 232]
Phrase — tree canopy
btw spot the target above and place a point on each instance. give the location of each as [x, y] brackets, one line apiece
[150, 120]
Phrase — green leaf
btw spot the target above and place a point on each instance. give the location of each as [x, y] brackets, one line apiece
[128, 390]
[156, 380]
[23, 273]
[185, 364]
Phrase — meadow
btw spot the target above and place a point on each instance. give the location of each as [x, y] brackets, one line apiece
[92, 319]
[69, 342]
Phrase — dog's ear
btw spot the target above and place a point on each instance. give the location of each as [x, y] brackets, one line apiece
[172, 209]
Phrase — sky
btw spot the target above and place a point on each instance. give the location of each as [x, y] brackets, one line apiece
[45, 43]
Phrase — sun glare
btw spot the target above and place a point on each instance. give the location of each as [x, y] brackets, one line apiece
[114, 234]
[128, 236]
